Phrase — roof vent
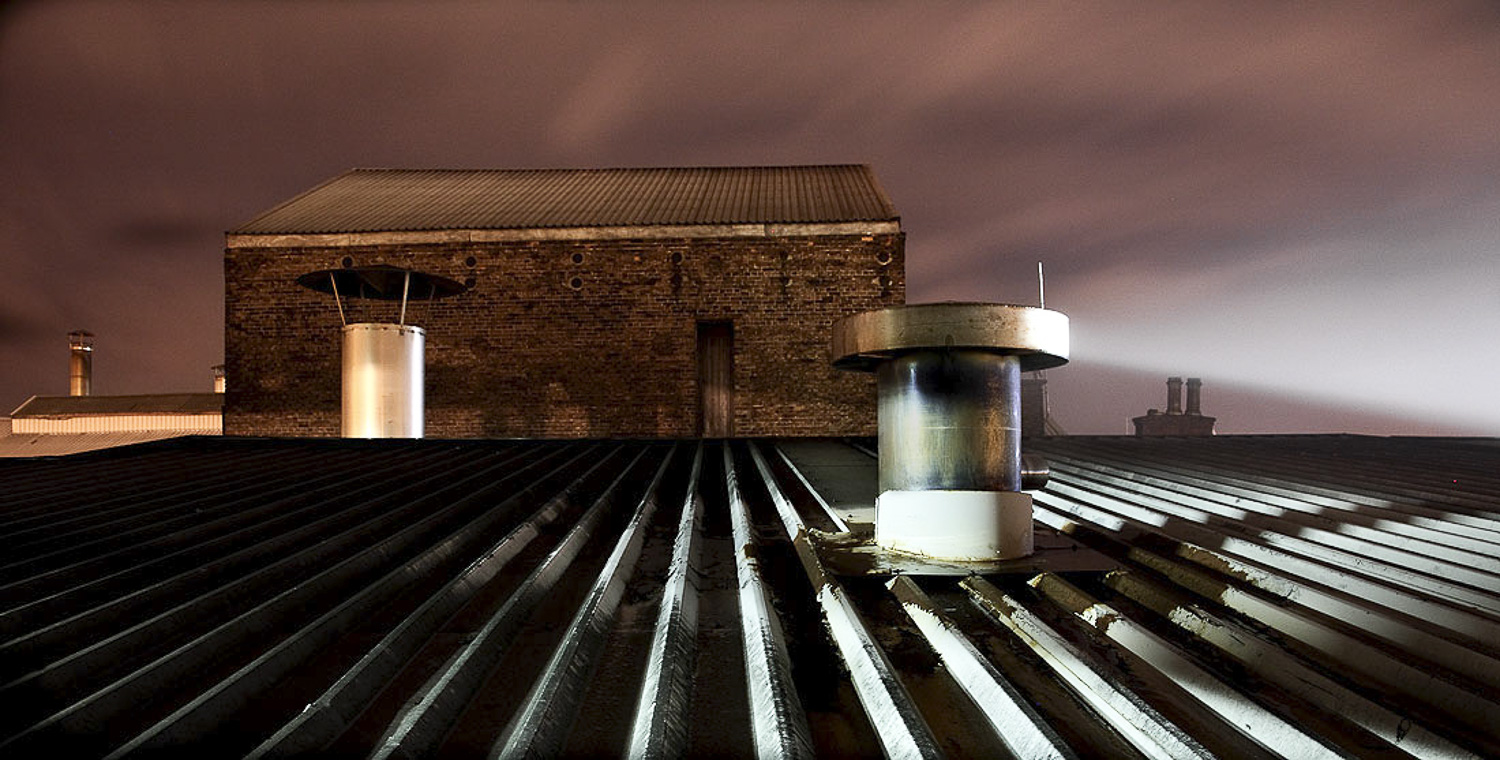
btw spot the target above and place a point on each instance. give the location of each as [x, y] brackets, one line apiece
[949, 380]
[81, 363]
[382, 361]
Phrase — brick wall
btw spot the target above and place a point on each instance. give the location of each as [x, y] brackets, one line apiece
[571, 338]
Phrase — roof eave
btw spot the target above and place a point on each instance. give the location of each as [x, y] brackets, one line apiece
[634, 232]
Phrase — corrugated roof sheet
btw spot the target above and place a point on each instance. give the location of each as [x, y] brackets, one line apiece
[386, 200]
[61, 444]
[1240, 597]
[153, 403]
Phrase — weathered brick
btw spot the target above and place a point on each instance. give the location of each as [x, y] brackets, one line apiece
[591, 338]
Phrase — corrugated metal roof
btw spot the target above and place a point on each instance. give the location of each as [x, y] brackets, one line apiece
[1238, 597]
[62, 444]
[153, 403]
[386, 200]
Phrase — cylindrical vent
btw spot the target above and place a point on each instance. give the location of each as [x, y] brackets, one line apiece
[949, 383]
[383, 381]
[1174, 395]
[1194, 396]
[218, 370]
[950, 421]
[80, 363]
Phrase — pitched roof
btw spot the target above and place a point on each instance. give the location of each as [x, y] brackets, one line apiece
[386, 200]
[62, 444]
[150, 403]
[1305, 596]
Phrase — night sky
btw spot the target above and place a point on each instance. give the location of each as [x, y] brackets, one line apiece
[1299, 203]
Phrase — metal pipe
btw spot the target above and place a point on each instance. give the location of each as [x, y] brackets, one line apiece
[1035, 472]
[950, 421]
[334, 281]
[949, 382]
[383, 381]
[80, 363]
[405, 290]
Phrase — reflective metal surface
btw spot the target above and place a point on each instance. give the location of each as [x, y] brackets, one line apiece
[1228, 597]
[1038, 336]
[1034, 472]
[80, 363]
[950, 420]
[949, 383]
[383, 381]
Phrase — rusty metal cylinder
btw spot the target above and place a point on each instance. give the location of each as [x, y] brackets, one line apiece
[383, 381]
[80, 363]
[950, 421]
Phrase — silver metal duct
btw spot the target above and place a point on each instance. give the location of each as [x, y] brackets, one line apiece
[383, 381]
[80, 363]
[382, 363]
[950, 421]
[949, 381]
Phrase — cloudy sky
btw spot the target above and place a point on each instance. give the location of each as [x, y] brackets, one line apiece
[1299, 203]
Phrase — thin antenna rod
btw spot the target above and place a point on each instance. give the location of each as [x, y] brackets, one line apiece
[334, 281]
[405, 288]
[1041, 286]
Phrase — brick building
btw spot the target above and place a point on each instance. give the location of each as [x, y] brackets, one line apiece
[599, 303]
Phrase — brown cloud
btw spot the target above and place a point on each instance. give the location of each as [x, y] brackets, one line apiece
[1101, 137]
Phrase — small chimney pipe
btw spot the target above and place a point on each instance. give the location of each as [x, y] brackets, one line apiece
[1174, 395]
[218, 370]
[1194, 395]
[80, 363]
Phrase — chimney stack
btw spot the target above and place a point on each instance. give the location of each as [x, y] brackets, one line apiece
[1174, 395]
[1194, 395]
[81, 363]
[218, 370]
[1175, 421]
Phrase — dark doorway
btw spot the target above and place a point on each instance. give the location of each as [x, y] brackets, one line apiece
[716, 379]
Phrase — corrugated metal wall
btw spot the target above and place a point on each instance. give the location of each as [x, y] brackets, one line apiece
[118, 423]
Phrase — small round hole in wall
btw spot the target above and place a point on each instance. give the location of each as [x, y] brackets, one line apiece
[577, 258]
[347, 262]
[882, 258]
[576, 283]
[470, 262]
[677, 257]
[469, 282]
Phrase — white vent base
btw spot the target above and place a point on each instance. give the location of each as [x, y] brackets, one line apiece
[955, 525]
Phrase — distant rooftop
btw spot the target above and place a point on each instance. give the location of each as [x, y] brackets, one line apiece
[151, 403]
[386, 200]
[62, 444]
